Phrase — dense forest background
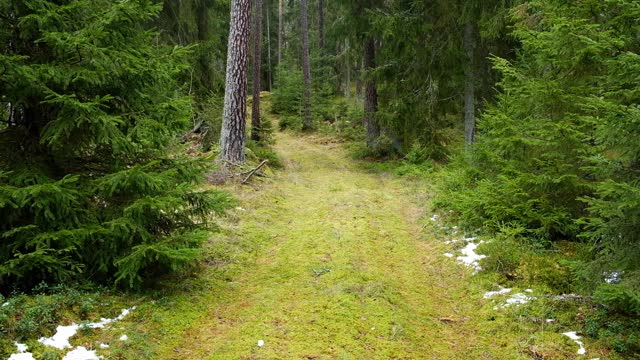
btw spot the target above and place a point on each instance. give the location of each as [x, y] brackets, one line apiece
[523, 115]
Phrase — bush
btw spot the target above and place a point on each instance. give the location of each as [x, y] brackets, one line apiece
[290, 123]
[261, 151]
[211, 117]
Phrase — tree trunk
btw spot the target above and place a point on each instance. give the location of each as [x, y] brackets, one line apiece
[257, 74]
[280, 29]
[371, 95]
[470, 83]
[359, 81]
[270, 72]
[321, 25]
[232, 136]
[306, 66]
[347, 85]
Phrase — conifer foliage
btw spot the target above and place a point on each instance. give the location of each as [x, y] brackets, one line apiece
[89, 186]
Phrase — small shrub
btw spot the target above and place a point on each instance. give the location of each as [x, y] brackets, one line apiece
[417, 155]
[290, 123]
[261, 152]
[211, 117]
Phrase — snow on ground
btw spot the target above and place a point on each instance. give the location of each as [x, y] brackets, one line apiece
[22, 356]
[576, 338]
[123, 338]
[22, 353]
[612, 277]
[502, 291]
[469, 256]
[81, 353]
[60, 340]
[5, 304]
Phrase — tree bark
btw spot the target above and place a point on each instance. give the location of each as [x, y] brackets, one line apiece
[270, 72]
[306, 66]
[321, 25]
[232, 136]
[280, 29]
[347, 85]
[371, 95]
[469, 44]
[359, 80]
[257, 64]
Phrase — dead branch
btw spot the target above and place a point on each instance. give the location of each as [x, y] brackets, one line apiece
[253, 171]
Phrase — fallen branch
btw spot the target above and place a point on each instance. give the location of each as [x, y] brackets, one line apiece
[253, 171]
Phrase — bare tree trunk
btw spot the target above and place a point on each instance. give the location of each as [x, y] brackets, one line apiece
[257, 64]
[306, 66]
[280, 29]
[470, 83]
[359, 81]
[371, 95]
[347, 85]
[270, 77]
[232, 137]
[321, 25]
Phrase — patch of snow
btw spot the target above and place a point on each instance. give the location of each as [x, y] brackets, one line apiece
[548, 321]
[491, 294]
[435, 217]
[515, 299]
[576, 338]
[124, 337]
[104, 346]
[21, 356]
[519, 298]
[449, 255]
[528, 290]
[22, 353]
[81, 353]
[260, 343]
[5, 304]
[60, 339]
[470, 258]
[612, 277]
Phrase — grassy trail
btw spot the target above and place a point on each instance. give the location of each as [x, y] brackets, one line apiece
[344, 270]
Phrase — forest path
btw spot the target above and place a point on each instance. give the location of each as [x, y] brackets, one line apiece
[345, 270]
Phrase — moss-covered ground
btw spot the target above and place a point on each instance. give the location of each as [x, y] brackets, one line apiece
[330, 259]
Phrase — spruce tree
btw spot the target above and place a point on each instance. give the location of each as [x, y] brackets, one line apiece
[92, 183]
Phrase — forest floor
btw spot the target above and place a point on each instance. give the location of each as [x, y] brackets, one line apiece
[329, 259]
